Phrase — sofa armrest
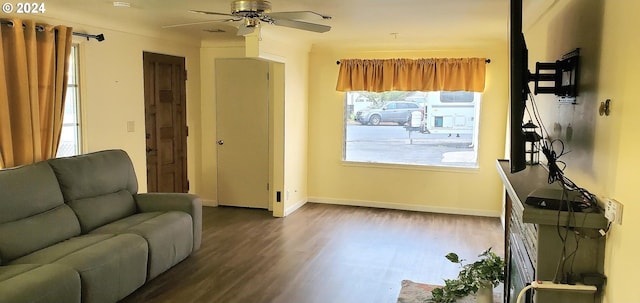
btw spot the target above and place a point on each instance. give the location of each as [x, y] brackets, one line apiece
[191, 204]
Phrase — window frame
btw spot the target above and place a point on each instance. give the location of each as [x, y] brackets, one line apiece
[73, 94]
[470, 162]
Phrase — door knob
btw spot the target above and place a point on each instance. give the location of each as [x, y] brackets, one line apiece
[220, 142]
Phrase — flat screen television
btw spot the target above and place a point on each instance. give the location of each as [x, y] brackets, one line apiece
[519, 89]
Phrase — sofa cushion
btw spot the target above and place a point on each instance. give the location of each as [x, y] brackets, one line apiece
[28, 190]
[32, 210]
[8, 272]
[98, 186]
[169, 235]
[100, 210]
[110, 269]
[34, 283]
[188, 203]
[30, 234]
[59, 250]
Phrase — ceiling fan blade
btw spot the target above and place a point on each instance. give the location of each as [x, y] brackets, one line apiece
[318, 28]
[245, 30]
[212, 13]
[199, 23]
[299, 15]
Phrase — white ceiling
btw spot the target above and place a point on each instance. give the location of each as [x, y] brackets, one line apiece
[359, 23]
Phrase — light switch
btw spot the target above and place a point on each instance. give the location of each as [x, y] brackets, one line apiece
[131, 126]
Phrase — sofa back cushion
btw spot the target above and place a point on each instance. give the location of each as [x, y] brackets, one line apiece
[98, 186]
[32, 211]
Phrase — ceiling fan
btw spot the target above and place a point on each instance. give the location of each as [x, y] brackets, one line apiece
[253, 12]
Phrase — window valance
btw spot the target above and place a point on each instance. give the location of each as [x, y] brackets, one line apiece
[435, 74]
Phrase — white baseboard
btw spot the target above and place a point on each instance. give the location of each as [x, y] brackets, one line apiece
[211, 203]
[289, 210]
[411, 207]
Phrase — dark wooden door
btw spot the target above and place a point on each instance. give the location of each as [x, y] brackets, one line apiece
[165, 122]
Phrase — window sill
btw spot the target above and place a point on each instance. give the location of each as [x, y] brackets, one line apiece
[435, 168]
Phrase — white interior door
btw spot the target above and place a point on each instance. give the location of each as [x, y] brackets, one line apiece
[242, 101]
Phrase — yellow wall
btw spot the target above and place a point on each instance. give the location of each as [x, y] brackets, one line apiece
[209, 51]
[465, 191]
[288, 114]
[620, 65]
[606, 32]
[276, 124]
[112, 91]
[295, 56]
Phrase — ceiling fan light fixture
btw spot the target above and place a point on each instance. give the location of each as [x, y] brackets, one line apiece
[251, 22]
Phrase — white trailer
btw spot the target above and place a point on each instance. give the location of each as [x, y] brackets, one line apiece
[452, 116]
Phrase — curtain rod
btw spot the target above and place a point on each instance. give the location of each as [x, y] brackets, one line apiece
[98, 37]
[486, 61]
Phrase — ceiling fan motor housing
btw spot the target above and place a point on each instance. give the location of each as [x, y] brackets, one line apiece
[250, 8]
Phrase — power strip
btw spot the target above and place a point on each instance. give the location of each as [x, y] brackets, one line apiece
[557, 286]
[550, 285]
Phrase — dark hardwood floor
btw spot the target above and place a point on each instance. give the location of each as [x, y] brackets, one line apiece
[321, 253]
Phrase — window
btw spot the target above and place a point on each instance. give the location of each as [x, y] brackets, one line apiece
[456, 97]
[70, 136]
[412, 128]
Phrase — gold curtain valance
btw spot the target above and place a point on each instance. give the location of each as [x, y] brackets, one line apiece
[435, 74]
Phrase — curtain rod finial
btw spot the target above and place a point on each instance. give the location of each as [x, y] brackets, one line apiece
[99, 37]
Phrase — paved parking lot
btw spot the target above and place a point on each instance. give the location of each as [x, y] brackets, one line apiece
[394, 144]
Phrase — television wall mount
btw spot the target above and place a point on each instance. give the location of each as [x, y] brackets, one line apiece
[561, 77]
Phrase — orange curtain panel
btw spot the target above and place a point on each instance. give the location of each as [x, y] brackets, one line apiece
[439, 74]
[34, 63]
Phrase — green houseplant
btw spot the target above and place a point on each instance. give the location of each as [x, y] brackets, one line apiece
[484, 274]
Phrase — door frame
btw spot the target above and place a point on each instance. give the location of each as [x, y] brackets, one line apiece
[276, 134]
[181, 80]
[268, 137]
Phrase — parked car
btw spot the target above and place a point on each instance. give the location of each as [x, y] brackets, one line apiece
[393, 111]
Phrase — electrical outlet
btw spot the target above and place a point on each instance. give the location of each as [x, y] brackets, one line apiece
[613, 211]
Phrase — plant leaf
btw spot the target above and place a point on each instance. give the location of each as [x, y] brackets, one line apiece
[453, 257]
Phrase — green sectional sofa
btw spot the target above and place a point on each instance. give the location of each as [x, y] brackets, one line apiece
[76, 230]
